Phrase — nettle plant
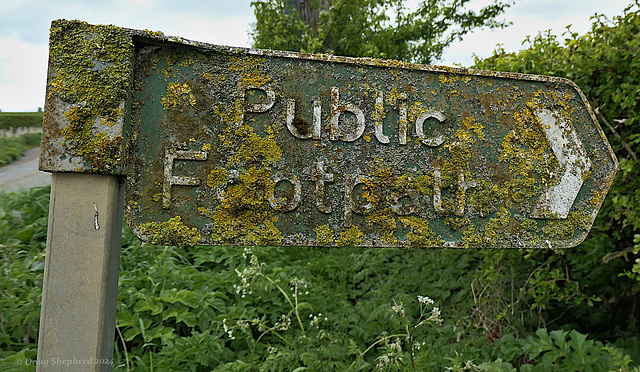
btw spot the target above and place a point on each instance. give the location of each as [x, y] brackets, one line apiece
[298, 338]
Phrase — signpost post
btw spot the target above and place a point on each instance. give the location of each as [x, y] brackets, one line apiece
[232, 146]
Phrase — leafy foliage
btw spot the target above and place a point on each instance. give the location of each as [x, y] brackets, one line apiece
[369, 28]
[283, 309]
[23, 230]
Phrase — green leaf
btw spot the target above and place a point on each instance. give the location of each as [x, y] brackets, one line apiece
[126, 319]
[25, 234]
[148, 304]
[183, 315]
[559, 337]
[188, 298]
[540, 344]
[131, 333]
[155, 332]
[580, 346]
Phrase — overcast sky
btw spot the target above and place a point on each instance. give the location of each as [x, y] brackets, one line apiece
[24, 31]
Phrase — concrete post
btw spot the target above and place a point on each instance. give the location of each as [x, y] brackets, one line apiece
[78, 315]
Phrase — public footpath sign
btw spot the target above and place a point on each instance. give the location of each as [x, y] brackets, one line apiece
[207, 145]
[232, 146]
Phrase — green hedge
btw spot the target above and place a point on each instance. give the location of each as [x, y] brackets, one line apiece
[20, 119]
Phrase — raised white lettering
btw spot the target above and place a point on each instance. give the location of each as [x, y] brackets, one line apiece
[170, 179]
[402, 121]
[260, 107]
[321, 177]
[335, 133]
[378, 118]
[299, 128]
[432, 142]
[286, 204]
[350, 205]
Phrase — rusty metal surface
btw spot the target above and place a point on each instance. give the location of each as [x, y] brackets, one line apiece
[234, 146]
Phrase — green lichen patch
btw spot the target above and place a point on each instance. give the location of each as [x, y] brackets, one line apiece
[249, 67]
[503, 230]
[384, 191]
[380, 188]
[455, 161]
[255, 149]
[245, 189]
[486, 196]
[460, 148]
[91, 71]
[98, 149]
[244, 207]
[171, 232]
[528, 156]
[455, 223]
[218, 177]
[495, 230]
[565, 228]
[265, 234]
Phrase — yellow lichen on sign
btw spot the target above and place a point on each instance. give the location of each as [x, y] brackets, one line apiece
[91, 72]
[177, 96]
[324, 235]
[171, 232]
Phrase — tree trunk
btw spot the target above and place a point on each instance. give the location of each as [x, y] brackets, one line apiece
[310, 11]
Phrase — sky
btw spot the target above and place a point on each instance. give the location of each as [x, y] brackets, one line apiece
[24, 31]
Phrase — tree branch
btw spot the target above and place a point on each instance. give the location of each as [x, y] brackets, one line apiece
[624, 143]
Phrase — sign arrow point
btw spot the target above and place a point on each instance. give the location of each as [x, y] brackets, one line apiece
[573, 162]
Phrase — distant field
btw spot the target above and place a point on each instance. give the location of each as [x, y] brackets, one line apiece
[20, 119]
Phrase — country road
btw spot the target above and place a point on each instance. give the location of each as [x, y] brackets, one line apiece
[23, 173]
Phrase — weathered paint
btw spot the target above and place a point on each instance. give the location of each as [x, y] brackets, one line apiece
[331, 151]
[255, 147]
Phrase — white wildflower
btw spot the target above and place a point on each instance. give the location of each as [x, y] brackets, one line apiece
[397, 308]
[395, 346]
[243, 325]
[283, 323]
[316, 319]
[383, 362]
[297, 283]
[425, 300]
[435, 316]
[228, 330]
